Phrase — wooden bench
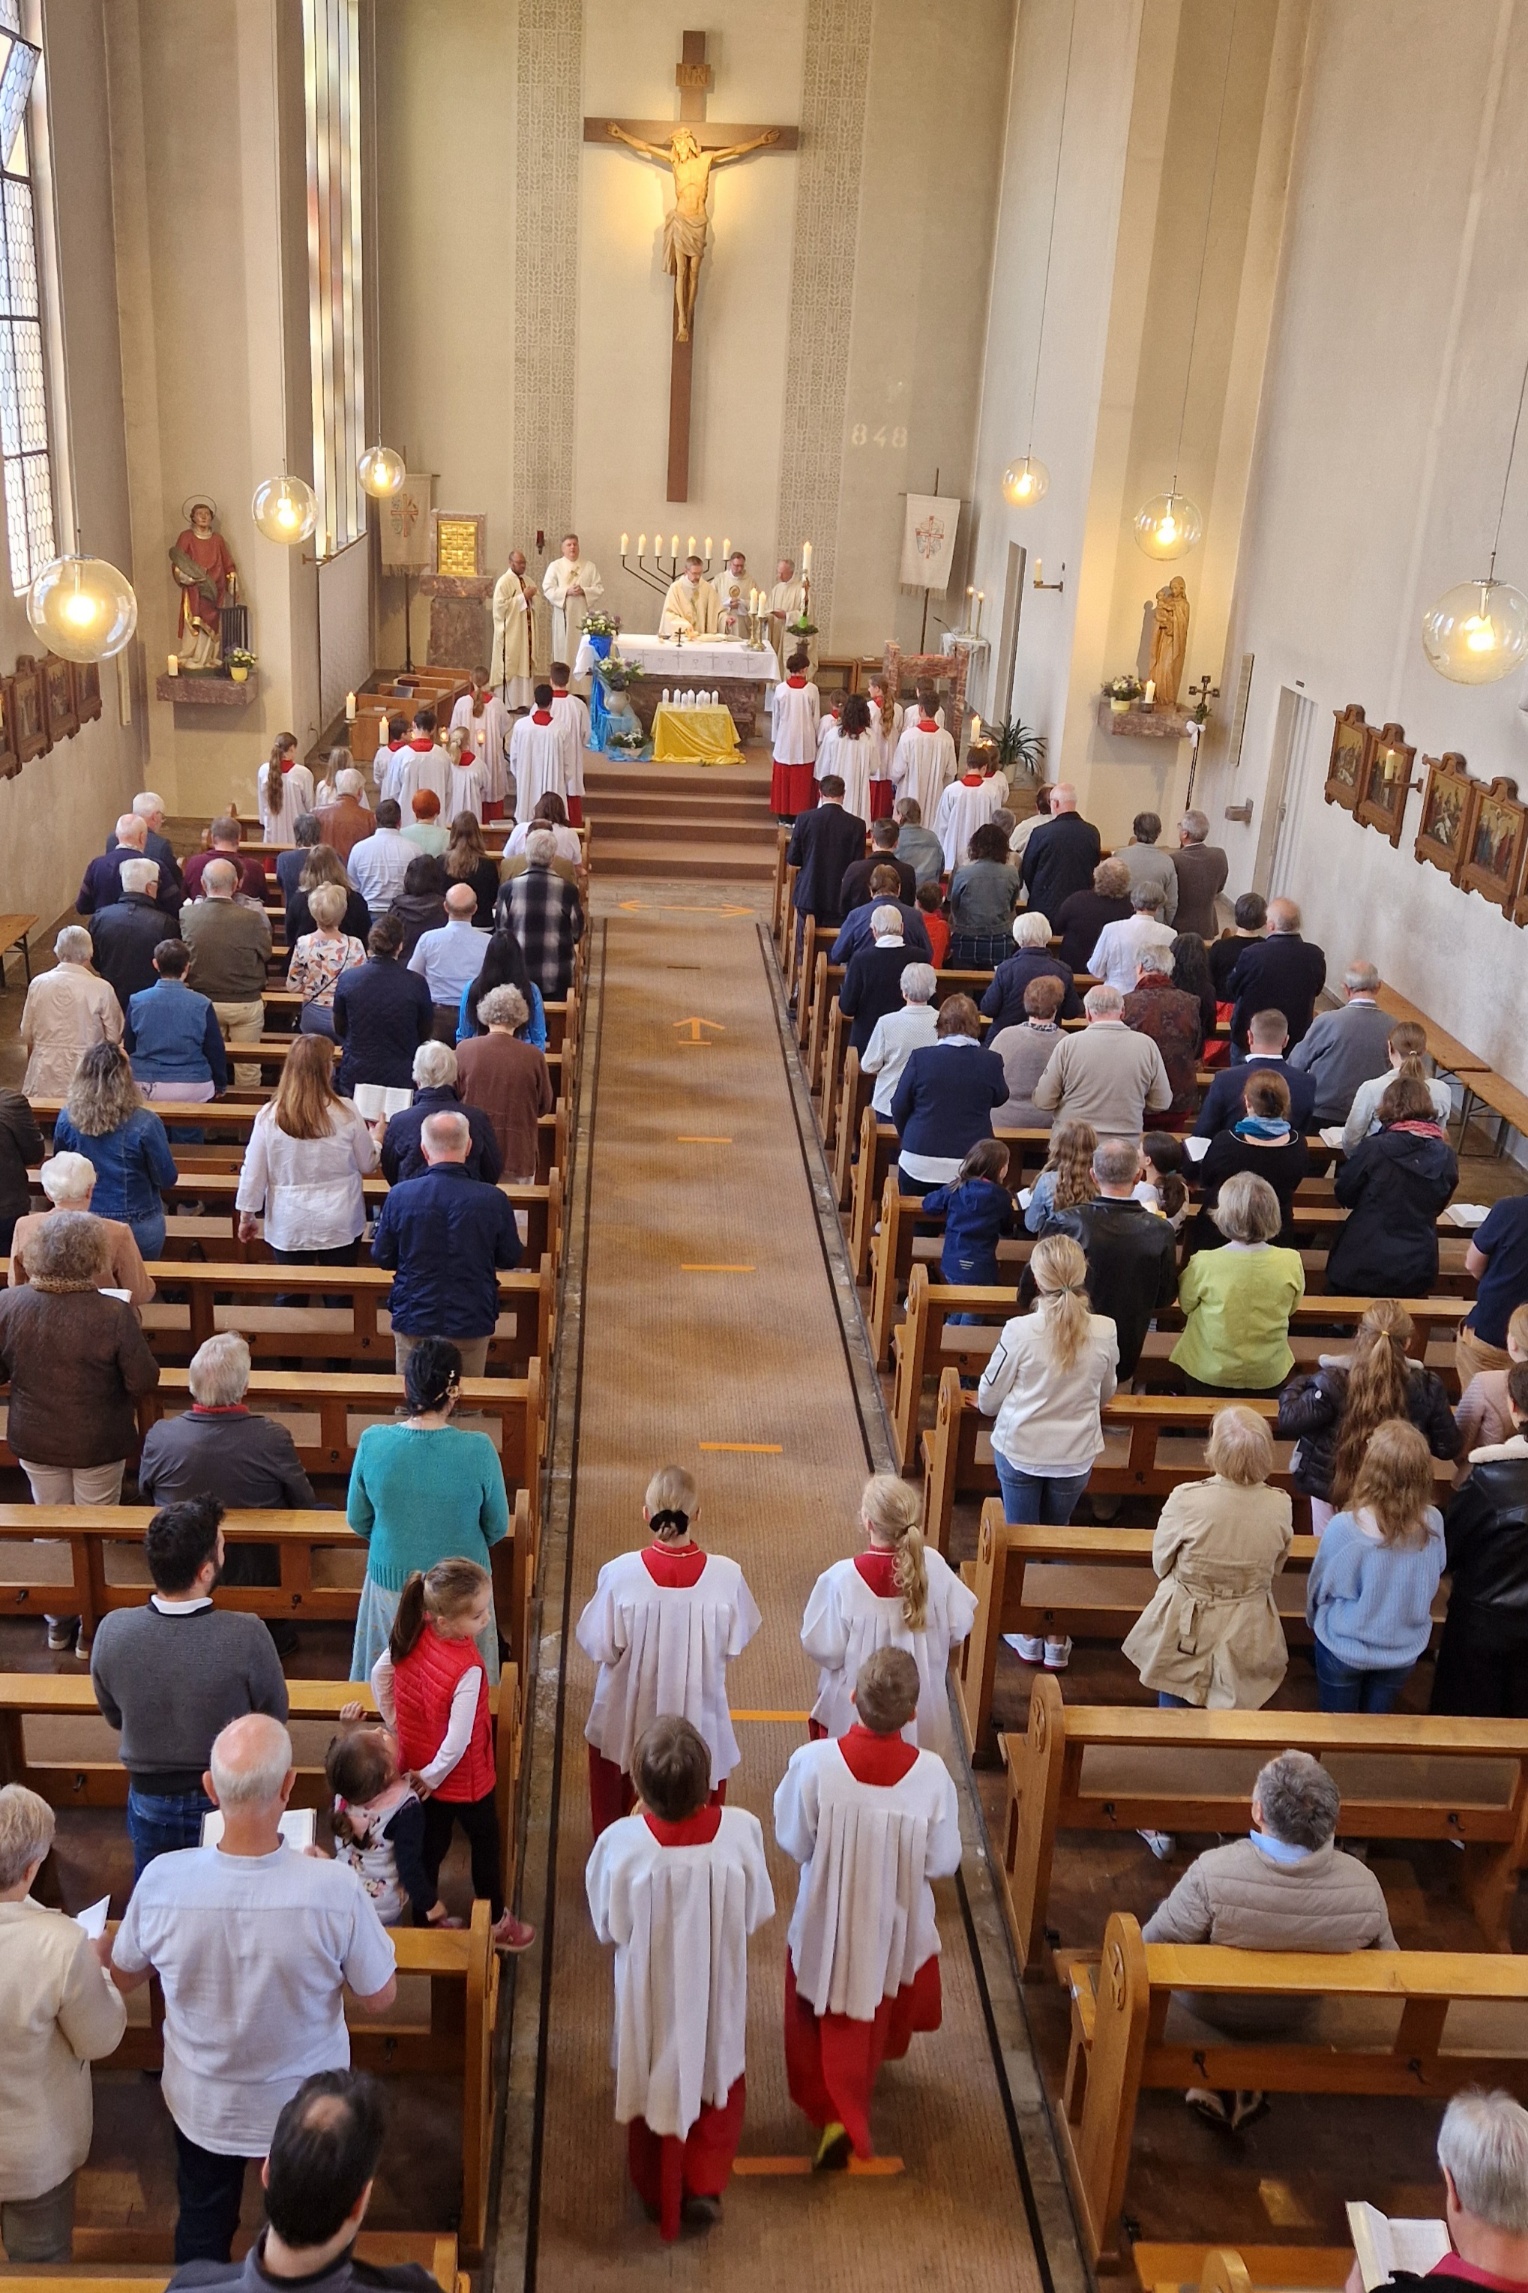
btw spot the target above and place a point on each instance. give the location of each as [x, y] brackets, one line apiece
[1396, 2006]
[1240, 2268]
[13, 934]
[1504, 1100]
[114, 2260]
[229, 1121]
[68, 1560]
[451, 2037]
[283, 1012]
[1445, 1051]
[1095, 1767]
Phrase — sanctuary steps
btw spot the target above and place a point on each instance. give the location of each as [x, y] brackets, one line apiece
[700, 823]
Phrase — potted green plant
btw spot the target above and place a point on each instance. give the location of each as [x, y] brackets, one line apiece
[1020, 748]
[240, 661]
[1122, 691]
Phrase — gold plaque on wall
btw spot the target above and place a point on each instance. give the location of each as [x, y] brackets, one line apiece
[459, 544]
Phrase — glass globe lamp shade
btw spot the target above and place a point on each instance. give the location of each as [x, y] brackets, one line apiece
[381, 472]
[1477, 632]
[1024, 482]
[82, 608]
[285, 509]
[1169, 525]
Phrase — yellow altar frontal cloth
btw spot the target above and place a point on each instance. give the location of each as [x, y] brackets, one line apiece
[694, 736]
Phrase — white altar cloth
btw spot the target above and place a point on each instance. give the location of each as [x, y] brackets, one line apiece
[709, 657]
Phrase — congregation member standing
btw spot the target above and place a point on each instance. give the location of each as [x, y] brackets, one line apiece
[1025, 1050]
[382, 1014]
[795, 711]
[1003, 1002]
[1061, 854]
[1172, 1018]
[125, 933]
[825, 843]
[446, 1236]
[321, 958]
[509, 1080]
[984, 891]
[1333, 1412]
[105, 1120]
[172, 1034]
[1394, 1187]
[1497, 1260]
[230, 944]
[1083, 916]
[20, 1146]
[254, 1948]
[379, 863]
[69, 1182]
[894, 1039]
[678, 1889]
[1131, 1253]
[883, 853]
[66, 1010]
[1280, 973]
[871, 989]
[102, 883]
[944, 1100]
[224, 837]
[437, 1090]
[662, 1625]
[1376, 1571]
[1237, 1302]
[1116, 958]
[1344, 1048]
[1201, 870]
[283, 790]
[1145, 862]
[468, 861]
[1109, 1075]
[307, 1155]
[449, 958]
[344, 823]
[1406, 1049]
[862, 1971]
[1264, 1141]
[546, 915]
[1267, 1036]
[1483, 1658]
[917, 845]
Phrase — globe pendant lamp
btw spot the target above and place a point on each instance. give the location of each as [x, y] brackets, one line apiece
[285, 509]
[1477, 631]
[1024, 482]
[381, 472]
[82, 608]
[1169, 525]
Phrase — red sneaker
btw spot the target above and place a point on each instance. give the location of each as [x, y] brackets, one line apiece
[513, 1935]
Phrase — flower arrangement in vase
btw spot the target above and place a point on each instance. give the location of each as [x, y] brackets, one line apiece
[1122, 691]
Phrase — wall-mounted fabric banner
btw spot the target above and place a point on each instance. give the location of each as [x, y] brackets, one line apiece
[928, 542]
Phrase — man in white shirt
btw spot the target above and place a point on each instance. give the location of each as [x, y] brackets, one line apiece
[692, 607]
[449, 959]
[571, 584]
[1116, 959]
[895, 1038]
[1107, 1075]
[379, 863]
[254, 1947]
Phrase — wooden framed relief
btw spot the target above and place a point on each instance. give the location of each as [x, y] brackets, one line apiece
[1349, 758]
[58, 699]
[1387, 782]
[29, 724]
[86, 677]
[1445, 802]
[1495, 832]
[10, 762]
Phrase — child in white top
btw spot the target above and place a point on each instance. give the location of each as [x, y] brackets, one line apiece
[378, 1823]
[894, 1594]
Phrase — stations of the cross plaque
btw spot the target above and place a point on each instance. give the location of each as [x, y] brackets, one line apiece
[691, 148]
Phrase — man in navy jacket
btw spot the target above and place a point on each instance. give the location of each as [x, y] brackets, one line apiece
[825, 843]
[448, 1236]
[1280, 973]
[1267, 1036]
[1061, 854]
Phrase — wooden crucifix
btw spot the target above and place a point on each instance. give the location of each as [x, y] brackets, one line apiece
[692, 148]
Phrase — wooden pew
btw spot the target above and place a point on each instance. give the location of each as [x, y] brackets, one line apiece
[228, 1121]
[54, 1560]
[1094, 1767]
[1120, 2044]
[283, 1011]
[1240, 2268]
[139, 2260]
[453, 2038]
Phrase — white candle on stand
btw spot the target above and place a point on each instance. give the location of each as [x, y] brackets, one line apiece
[708, 549]
[174, 664]
[674, 546]
[689, 547]
[806, 557]
[641, 545]
[350, 708]
[1151, 691]
[726, 548]
[624, 539]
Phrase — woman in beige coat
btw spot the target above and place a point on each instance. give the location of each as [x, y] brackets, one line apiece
[66, 1010]
[1211, 1635]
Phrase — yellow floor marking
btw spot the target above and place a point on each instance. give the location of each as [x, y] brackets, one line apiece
[695, 1026]
[800, 1717]
[1282, 2207]
[744, 1448]
[702, 1266]
[858, 2167]
[699, 1138]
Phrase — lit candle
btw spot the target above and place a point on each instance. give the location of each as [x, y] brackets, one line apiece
[1039, 573]
[981, 597]
[806, 557]
[708, 549]
[174, 664]
[624, 539]
[674, 546]
[689, 547]
[641, 546]
[976, 730]
[970, 591]
[350, 708]
[1150, 693]
[726, 548]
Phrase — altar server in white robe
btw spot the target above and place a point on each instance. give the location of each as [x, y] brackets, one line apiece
[678, 1889]
[483, 715]
[571, 585]
[283, 791]
[794, 714]
[538, 750]
[924, 764]
[514, 634]
[469, 781]
[871, 1820]
[966, 805]
[570, 713]
[387, 764]
[886, 720]
[894, 1593]
[692, 607]
[829, 727]
[854, 755]
[426, 765]
[663, 1626]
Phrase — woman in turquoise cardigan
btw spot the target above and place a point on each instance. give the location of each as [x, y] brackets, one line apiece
[422, 1491]
[1237, 1301]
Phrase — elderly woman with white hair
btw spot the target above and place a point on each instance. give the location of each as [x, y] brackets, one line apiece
[66, 1010]
[509, 1080]
[893, 1040]
[68, 1181]
[1116, 958]
[436, 1092]
[1003, 1002]
[59, 2012]
[321, 956]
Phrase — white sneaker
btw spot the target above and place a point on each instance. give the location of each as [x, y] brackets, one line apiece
[1163, 1844]
[1058, 1654]
[1027, 1646]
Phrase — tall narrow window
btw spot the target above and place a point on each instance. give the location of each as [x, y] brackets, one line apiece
[332, 78]
[24, 455]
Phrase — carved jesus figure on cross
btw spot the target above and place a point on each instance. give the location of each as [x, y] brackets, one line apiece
[684, 229]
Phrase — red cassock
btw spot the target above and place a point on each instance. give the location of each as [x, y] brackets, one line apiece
[881, 796]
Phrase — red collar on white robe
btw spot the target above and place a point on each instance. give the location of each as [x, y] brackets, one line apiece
[970, 780]
[541, 716]
[694, 1831]
[395, 745]
[873, 1759]
[676, 1567]
[424, 746]
[559, 692]
[797, 684]
[879, 1570]
[927, 724]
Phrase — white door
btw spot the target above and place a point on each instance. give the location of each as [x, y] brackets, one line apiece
[1289, 786]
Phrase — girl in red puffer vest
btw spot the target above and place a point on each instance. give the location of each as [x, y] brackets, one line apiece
[432, 1691]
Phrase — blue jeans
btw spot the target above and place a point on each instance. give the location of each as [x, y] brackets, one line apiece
[1351, 1688]
[159, 1822]
[1167, 1703]
[211, 2191]
[1043, 1499]
[148, 1233]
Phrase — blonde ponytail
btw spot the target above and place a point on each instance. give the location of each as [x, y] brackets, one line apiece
[1061, 1276]
[890, 1506]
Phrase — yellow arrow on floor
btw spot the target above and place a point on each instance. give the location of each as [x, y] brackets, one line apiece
[695, 1026]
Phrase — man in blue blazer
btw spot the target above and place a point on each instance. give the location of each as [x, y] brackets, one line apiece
[1268, 1034]
[825, 843]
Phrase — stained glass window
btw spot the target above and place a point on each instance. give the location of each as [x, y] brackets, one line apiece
[24, 455]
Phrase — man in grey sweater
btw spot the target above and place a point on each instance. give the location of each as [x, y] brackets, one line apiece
[1343, 1048]
[1286, 1888]
[171, 1675]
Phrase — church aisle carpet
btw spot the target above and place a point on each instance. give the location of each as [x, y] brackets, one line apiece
[751, 1362]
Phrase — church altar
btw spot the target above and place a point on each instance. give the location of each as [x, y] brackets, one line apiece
[694, 736]
[742, 675]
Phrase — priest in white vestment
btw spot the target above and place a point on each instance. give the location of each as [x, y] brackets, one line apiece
[787, 603]
[894, 1593]
[538, 750]
[514, 633]
[678, 1889]
[691, 607]
[482, 715]
[966, 805]
[663, 1625]
[572, 584]
[283, 792]
[871, 1820]
[733, 588]
[924, 764]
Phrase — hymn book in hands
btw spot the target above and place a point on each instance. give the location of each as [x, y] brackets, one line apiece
[1384, 2246]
